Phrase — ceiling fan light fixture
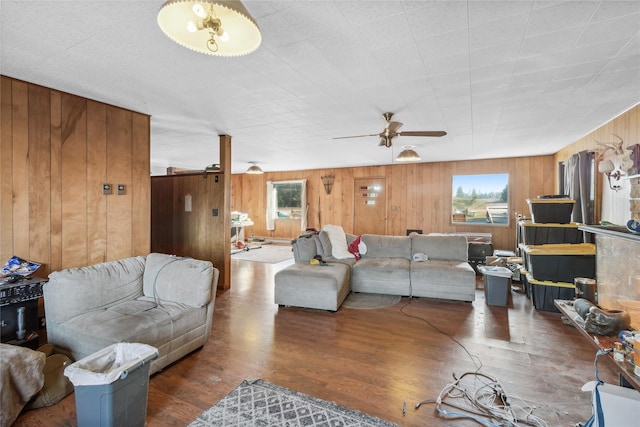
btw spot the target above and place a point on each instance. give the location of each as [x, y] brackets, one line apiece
[254, 169]
[408, 155]
[200, 25]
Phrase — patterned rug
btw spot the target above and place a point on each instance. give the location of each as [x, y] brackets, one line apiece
[260, 403]
[271, 254]
[364, 300]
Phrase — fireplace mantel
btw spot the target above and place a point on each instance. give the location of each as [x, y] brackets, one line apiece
[618, 269]
[612, 231]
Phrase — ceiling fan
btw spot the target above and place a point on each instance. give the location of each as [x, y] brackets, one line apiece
[391, 131]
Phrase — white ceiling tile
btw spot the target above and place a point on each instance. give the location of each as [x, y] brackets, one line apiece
[549, 43]
[496, 32]
[560, 16]
[612, 29]
[485, 11]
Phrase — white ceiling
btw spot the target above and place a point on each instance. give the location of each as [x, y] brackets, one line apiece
[502, 78]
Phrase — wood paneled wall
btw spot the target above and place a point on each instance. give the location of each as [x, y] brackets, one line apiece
[418, 195]
[56, 151]
[627, 127]
[197, 233]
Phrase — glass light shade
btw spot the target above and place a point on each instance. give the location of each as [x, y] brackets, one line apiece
[408, 155]
[241, 29]
[254, 170]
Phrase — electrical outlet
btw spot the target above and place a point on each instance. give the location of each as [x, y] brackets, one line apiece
[106, 189]
[121, 189]
[214, 212]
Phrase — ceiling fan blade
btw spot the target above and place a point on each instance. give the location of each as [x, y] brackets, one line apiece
[385, 141]
[355, 136]
[394, 126]
[423, 133]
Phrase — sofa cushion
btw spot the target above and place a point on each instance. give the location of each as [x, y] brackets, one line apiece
[381, 276]
[305, 248]
[76, 290]
[379, 246]
[162, 272]
[440, 247]
[312, 286]
[443, 279]
[130, 321]
[338, 239]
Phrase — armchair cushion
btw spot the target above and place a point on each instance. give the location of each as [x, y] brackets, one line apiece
[194, 277]
[78, 290]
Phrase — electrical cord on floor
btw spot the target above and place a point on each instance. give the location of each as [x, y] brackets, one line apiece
[485, 404]
[475, 359]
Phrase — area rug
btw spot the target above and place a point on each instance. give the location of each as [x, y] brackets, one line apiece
[260, 403]
[364, 300]
[271, 254]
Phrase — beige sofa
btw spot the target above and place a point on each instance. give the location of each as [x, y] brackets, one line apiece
[160, 300]
[389, 266]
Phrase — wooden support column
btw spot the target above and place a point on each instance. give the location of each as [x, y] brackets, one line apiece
[225, 237]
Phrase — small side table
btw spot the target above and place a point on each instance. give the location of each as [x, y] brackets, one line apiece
[16, 297]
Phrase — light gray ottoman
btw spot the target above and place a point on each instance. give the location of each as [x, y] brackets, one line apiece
[323, 287]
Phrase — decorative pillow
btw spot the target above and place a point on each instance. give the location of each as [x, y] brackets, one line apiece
[362, 248]
[354, 248]
[338, 240]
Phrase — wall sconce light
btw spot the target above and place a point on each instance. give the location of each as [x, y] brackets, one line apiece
[613, 174]
[327, 181]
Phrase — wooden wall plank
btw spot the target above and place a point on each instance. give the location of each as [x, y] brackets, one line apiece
[6, 169]
[39, 172]
[96, 176]
[20, 178]
[141, 183]
[56, 182]
[74, 176]
[119, 164]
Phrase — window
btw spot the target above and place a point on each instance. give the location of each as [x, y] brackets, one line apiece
[286, 200]
[480, 199]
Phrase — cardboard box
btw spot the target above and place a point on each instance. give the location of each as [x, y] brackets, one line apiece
[620, 405]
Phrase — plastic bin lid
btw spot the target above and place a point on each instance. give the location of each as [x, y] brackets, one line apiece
[561, 249]
[550, 224]
[559, 200]
[495, 271]
[531, 280]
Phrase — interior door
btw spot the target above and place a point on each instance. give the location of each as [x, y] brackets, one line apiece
[370, 206]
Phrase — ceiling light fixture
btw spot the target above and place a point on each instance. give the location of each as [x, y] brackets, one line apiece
[254, 169]
[222, 28]
[408, 155]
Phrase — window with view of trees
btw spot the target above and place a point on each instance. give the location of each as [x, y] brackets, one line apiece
[288, 199]
[480, 199]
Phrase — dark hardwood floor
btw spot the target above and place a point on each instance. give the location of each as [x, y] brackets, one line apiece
[369, 360]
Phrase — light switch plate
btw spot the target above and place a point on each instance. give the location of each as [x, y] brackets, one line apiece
[121, 189]
[106, 189]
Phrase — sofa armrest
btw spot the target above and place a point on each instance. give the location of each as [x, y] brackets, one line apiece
[75, 291]
[178, 279]
[305, 247]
